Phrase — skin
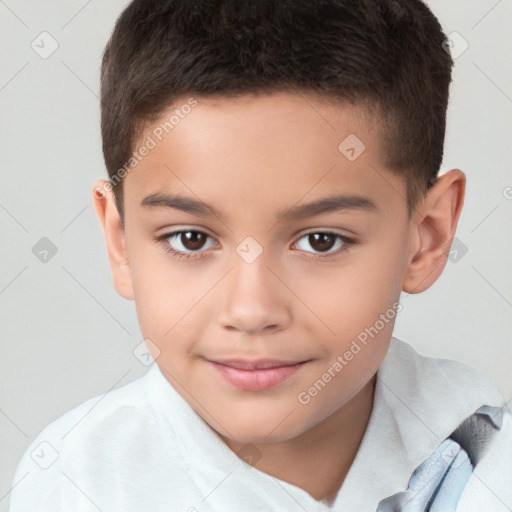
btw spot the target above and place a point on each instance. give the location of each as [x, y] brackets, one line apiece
[249, 158]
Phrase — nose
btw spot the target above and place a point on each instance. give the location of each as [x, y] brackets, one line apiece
[254, 300]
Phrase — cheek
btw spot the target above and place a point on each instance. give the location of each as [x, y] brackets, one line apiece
[359, 301]
[170, 321]
[168, 295]
[357, 294]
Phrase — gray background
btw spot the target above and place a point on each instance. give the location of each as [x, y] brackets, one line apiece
[67, 336]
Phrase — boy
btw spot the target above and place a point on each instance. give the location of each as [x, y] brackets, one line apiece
[273, 188]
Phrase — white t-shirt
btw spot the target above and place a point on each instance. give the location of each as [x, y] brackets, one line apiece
[142, 448]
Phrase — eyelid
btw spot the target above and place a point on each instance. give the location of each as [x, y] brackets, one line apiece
[172, 230]
[347, 233]
[335, 231]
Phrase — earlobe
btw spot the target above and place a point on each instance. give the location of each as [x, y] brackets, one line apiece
[433, 229]
[114, 233]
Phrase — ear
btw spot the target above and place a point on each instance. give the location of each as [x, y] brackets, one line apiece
[113, 230]
[433, 228]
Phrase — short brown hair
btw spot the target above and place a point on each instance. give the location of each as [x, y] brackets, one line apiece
[384, 53]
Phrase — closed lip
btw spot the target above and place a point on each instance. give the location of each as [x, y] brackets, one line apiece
[260, 364]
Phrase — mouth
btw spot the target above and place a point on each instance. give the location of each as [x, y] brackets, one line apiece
[256, 375]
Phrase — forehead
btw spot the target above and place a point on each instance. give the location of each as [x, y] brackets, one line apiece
[266, 152]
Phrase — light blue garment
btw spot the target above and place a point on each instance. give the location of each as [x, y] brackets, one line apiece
[437, 484]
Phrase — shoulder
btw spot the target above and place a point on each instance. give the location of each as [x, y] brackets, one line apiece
[429, 398]
[442, 380]
[100, 427]
[105, 411]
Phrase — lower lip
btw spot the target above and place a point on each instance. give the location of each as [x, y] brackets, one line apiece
[257, 380]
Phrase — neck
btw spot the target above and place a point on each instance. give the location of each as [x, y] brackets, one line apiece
[319, 459]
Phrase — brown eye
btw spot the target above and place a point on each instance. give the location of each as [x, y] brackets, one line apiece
[186, 243]
[192, 240]
[322, 242]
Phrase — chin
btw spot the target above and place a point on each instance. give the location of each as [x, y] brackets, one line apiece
[261, 432]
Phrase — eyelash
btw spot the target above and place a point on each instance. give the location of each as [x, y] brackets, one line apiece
[162, 240]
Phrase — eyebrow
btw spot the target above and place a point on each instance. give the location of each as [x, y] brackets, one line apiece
[330, 204]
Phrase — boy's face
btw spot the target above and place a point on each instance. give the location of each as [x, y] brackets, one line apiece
[257, 287]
